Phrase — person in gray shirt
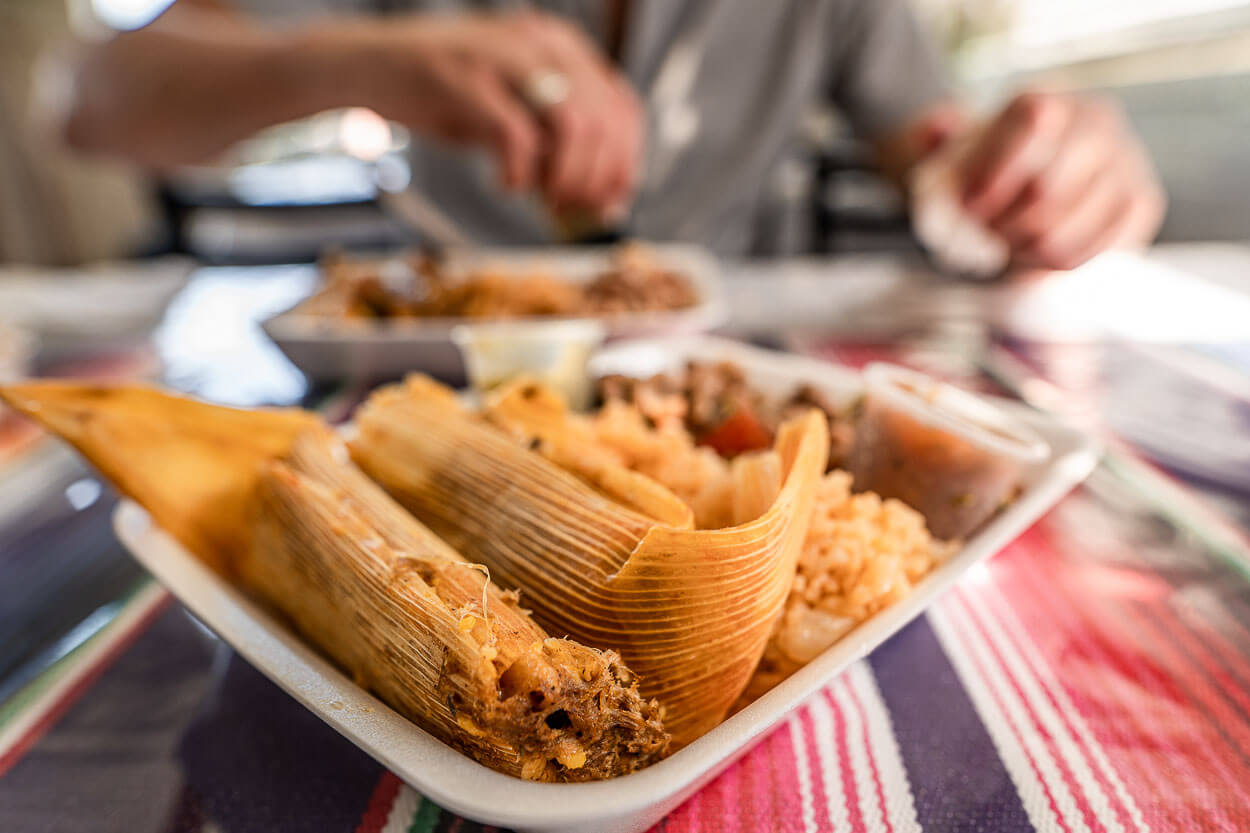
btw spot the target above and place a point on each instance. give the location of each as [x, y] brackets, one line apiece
[663, 118]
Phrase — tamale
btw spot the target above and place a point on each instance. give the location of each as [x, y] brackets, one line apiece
[360, 578]
[601, 558]
[192, 466]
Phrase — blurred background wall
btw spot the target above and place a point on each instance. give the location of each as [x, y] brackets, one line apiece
[56, 208]
[1181, 69]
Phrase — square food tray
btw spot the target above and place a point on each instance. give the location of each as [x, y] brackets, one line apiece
[634, 802]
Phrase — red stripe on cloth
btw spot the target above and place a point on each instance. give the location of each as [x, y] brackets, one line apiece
[1184, 703]
[741, 794]
[873, 768]
[1222, 645]
[87, 678]
[1198, 651]
[816, 771]
[1096, 690]
[849, 789]
[998, 601]
[1192, 680]
[851, 355]
[755, 786]
[728, 802]
[721, 801]
[1112, 684]
[742, 799]
[1036, 724]
[784, 798]
[1016, 731]
[380, 804]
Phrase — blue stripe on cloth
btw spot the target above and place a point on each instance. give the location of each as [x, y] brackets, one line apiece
[957, 780]
[259, 760]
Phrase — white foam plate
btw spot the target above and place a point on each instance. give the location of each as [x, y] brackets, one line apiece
[634, 802]
[96, 307]
[331, 348]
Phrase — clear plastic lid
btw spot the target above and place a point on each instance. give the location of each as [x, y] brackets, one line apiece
[946, 407]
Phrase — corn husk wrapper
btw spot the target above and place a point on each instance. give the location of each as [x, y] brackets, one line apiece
[193, 467]
[601, 555]
[271, 499]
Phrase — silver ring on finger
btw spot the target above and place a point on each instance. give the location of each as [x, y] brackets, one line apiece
[546, 88]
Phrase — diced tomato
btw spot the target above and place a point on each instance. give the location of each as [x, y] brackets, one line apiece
[741, 431]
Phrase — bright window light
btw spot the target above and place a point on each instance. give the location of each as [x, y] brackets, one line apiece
[1051, 22]
[128, 14]
[364, 134]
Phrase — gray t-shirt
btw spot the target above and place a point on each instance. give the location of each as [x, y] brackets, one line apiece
[726, 84]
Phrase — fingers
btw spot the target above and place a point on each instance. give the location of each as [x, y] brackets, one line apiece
[1009, 154]
[446, 78]
[592, 152]
[575, 137]
[1062, 178]
[624, 181]
[463, 79]
[1111, 214]
[1054, 191]
[505, 126]
[592, 155]
[1072, 239]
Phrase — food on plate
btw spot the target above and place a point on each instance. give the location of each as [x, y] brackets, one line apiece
[603, 552]
[956, 462]
[419, 286]
[715, 403]
[949, 455]
[271, 501]
[860, 553]
[683, 548]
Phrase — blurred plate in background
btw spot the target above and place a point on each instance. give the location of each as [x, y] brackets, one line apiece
[331, 348]
[81, 311]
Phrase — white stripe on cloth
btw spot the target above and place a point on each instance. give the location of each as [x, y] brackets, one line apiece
[870, 809]
[802, 768]
[403, 810]
[1036, 713]
[1066, 725]
[1018, 746]
[883, 751]
[829, 772]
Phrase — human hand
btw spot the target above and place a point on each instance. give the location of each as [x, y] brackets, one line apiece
[1062, 178]
[468, 79]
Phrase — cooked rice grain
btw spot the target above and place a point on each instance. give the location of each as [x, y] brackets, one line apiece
[861, 554]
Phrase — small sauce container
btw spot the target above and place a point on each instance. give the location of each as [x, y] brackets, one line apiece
[950, 455]
[553, 352]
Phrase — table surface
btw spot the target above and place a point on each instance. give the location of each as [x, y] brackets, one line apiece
[1093, 676]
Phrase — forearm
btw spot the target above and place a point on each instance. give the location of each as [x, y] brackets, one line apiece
[195, 82]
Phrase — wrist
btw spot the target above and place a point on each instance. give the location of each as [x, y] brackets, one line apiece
[326, 66]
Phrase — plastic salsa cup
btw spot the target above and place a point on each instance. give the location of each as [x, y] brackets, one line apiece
[554, 352]
[951, 455]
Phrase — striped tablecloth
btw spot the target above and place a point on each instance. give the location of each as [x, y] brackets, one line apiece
[1095, 676]
[1068, 685]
